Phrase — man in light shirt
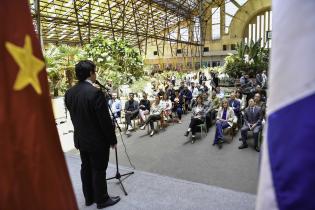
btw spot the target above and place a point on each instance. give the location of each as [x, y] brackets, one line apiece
[115, 105]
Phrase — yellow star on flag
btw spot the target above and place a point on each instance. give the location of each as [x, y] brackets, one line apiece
[30, 66]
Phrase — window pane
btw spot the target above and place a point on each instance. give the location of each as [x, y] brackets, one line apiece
[215, 15]
[196, 30]
[184, 34]
[228, 20]
[216, 32]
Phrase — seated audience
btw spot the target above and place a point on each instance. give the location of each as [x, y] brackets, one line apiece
[178, 106]
[261, 104]
[167, 107]
[195, 93]
[171, 92]
[262, 93]
[240, 98]
[236, 106]
[115, 105]
[215, 105]
[181, 87]
[173, 79]
[247, 87]
[207, 106]
[204, 88]
[187, 96]
[144, 107]
[131, 111]
[155, 114]
[219, 92]
[225, 119]
[202, 78]
[252, 122]
[265, 80]
[161, 92]
[259, 79]
[197, 119]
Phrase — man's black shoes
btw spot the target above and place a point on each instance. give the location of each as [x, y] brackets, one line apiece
[89, 203]
[109, 202]
[187, 133]
[243, 146]
[257, 149]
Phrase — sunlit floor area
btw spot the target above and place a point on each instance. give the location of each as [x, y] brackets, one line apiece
[155, 192]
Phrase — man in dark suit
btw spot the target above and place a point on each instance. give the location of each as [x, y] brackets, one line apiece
[94, 134]
[252, 122]
[131, 112]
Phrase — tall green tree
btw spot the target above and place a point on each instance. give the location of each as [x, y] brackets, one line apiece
[116, 59]
[60, 62]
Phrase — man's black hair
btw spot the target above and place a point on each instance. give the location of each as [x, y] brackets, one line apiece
[83, 69]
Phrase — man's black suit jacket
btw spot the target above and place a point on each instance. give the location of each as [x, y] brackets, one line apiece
[93, 128]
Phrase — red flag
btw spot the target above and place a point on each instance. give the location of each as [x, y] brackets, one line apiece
[33, 173]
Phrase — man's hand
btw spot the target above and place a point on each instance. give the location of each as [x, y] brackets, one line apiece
[113, 146]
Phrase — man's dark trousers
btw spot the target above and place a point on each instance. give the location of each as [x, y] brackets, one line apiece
[93, 175]
[256, 131]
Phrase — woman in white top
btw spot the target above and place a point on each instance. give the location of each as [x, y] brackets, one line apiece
[240, 98]
[197, 118]
[155, 114]
[225, 118]
[167, 106]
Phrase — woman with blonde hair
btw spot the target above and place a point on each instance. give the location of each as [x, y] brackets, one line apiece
[225, 118]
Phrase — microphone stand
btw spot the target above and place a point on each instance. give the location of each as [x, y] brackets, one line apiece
[118, 175]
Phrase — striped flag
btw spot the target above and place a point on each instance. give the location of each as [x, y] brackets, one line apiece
[287, 175]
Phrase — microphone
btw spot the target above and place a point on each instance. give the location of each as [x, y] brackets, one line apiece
[99, 84]
[107, 90]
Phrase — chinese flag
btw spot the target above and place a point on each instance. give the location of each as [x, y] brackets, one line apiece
[33, 172]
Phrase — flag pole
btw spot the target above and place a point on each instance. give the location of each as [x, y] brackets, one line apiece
[38, 23]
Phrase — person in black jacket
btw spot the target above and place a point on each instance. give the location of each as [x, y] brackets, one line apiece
[94, 134]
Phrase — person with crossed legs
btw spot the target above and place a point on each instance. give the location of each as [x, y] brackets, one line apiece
[155, 115]
[252, 122]
[197, 118]
[225, 119]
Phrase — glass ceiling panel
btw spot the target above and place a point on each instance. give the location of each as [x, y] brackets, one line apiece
[241, 2]
[230, 8]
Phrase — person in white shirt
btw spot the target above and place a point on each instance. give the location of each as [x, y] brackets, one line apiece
[167, 106]
[155, 114]
[173, 79]
[115, 105]
[265, 80]
[220, 93]
[195, 94]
